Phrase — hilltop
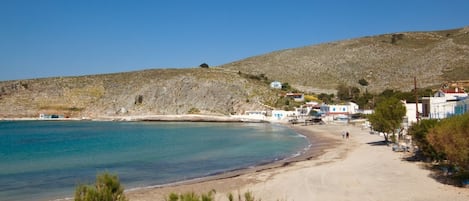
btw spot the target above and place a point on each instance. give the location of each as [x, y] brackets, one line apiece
[388, 61]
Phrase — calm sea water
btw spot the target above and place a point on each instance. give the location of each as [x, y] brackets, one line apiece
[41, 160]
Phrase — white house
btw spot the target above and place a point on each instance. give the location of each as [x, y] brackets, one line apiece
[451, 94]
[339, 112]
[276, 85]
[411, 113]
[346, 109]
[278, 115]
[445, 103]
[258, 115]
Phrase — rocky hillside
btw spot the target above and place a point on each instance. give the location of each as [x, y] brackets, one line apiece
[385, 61]
[169, 91]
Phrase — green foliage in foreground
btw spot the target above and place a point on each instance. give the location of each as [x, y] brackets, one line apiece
[107, 188]
[451, 137]
[419, 133]
[191, 196]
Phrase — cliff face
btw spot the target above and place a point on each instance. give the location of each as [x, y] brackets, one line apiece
[169, 91]
[388, 61]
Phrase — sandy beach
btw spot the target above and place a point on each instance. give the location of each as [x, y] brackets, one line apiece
[335, 169]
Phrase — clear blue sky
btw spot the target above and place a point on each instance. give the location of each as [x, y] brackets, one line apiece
[44, 38]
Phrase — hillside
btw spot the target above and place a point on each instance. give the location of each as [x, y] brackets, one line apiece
[168, 91]
[388, 61]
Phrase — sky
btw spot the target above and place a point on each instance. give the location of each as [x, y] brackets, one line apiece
[49, 38]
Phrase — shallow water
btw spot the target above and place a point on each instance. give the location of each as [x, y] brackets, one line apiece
[42, 160]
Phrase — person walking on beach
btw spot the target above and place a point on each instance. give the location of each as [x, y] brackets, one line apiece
[347, 135]
[343, 134]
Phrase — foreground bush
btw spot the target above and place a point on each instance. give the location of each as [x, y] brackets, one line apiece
[208, 197]
[191, 197]
[451, 136]
[419, 132]
[107, 188]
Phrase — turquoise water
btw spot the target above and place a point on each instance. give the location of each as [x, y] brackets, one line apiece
[41, 160]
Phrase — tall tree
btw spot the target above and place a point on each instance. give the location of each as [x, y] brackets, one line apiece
[387, 117]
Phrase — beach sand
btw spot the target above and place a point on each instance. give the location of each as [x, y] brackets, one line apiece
[352, 169]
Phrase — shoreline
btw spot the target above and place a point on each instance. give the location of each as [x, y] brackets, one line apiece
[354, 169]
[164, 118]
[319, 144]
[316, 146]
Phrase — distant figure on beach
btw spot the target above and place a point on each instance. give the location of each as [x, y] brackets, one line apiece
[347, 135]
[343, 134]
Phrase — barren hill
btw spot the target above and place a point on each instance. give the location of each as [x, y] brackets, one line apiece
[167, 91]
[385, 61]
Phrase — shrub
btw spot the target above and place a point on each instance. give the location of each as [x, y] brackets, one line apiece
[419, 135]
[107, 188]
[451, 136]
[194, 111]
[191, 196]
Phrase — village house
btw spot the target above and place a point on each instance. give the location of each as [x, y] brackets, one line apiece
[411, 113]
[276, 85]
[445, 103]
[339, 112]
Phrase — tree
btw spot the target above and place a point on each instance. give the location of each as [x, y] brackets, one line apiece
[343, 92]
[387, 117]
[326, 98]
[363, 82]
[451, 136]
[347, 93]
[203, 65]
[107, 188]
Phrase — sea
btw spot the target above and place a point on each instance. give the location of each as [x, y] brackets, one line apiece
[46, 160]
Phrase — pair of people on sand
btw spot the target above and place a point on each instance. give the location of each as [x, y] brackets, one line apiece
[345, 134]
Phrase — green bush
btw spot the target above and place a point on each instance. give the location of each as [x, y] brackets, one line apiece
[191, 196]
[451, 137]
[107, 188]
[194, 111]
[419, 136]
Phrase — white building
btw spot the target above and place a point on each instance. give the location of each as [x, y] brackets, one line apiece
[276, 85]
[445, 103]
[411, 113]
[279, 115]
[346, 109]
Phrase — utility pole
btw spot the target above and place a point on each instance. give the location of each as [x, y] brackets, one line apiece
[416, 100]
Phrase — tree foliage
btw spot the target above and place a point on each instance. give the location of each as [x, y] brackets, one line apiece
[204, 65]
[363, 82]
[107, 188]
[326, 98]
[419, 132]
[387, 117]
[451, 136]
